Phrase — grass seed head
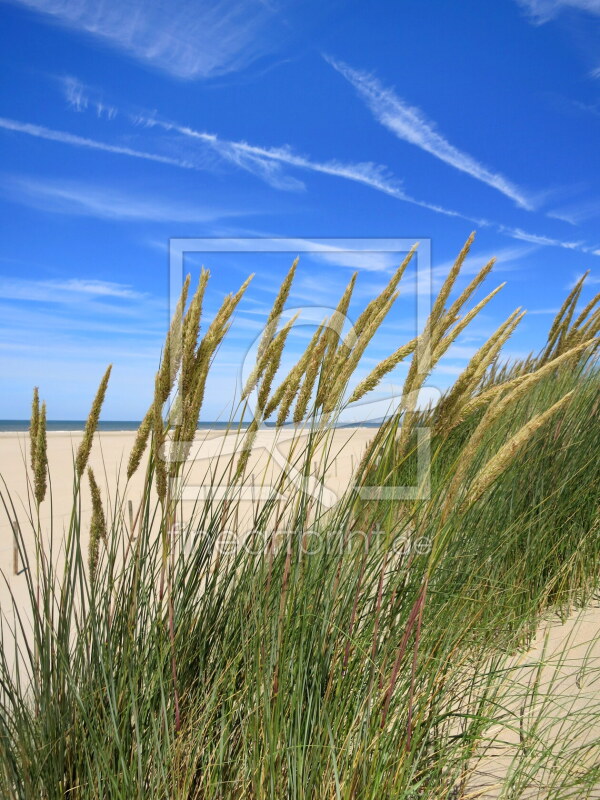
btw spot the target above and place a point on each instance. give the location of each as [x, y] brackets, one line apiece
[91, 425]
[273, 354]
[291, 384]
[504, 457]
[444, 293]
[33, 426]
[387, 365]
[139, 445]
[98, 531]
[277, 309]
[310, 378]
[191, 328]
[41, 458]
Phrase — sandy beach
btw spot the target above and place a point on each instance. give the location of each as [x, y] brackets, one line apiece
[208, 460]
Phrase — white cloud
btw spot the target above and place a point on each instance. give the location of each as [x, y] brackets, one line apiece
[268, 163]
[577, 213]
[541, 11]
[534, 238]
[75, 93]
[65, 290]
[95, 201]
[186, 39]
[41, 132]
[78, 97]
[410, 124]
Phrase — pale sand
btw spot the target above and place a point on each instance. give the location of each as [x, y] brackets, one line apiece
[570, 688]
[556, 691]
[109, 457]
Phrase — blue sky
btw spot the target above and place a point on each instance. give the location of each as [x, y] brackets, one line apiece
[124, 124]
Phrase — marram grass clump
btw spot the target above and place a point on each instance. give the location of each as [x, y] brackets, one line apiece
[158, 664]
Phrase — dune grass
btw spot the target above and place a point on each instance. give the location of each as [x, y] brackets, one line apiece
[355, 650]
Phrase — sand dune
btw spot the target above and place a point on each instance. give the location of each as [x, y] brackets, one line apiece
[568, 682]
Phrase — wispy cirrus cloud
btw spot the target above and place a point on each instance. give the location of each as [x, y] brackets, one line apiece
[41, 132]
[524, 236]
[577, 213]
[540, 11]
[412, 125]
[78, 97]
[187, 40]
[91, 200]
[266, 162]
[269, 164]
[65, 290]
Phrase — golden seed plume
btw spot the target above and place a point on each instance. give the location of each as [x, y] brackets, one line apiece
[387, 365]
[171, 356]
[310, 377]
[574, 293]
[372, 446]
[41, 458]
[271, 357]
[192, 412]
[346, 366]
[436, 324]
[431, 341]
[496, 411]
[139, 445]
[274, 351]
[502, 459]
[246, 449]
[158, 442]
[580, 319]
[592, 326]
[196, 370]
[33, 426]
[483, 399]
[460, 325]
[288, 389]
[275, 398]
[564, 315]
[97, 526]
[372, 309]
[456, 306]
[83, 453]
[469, 378]
[334, 330]
[191, 328]
[444, 293]
[218, 328]
[429, 338]
[498, 407]
[277, 309]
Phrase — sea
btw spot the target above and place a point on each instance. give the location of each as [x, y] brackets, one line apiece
[62, 425]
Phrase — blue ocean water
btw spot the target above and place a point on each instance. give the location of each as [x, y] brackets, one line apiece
[16, 425]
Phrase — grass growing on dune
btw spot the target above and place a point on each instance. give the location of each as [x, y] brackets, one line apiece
[351, 650]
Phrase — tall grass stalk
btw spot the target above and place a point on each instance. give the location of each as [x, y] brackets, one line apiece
[378, 664]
